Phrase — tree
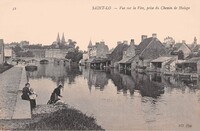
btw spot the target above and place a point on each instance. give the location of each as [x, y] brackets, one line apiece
[17, 49]
[74, 56]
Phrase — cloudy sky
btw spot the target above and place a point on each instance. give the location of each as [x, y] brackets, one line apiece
[39, 21]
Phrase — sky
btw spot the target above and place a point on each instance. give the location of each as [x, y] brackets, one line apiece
[39, 21]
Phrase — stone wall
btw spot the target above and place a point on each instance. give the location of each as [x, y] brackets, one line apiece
[1, 51]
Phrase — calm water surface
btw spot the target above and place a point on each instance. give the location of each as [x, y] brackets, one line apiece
[125, 100]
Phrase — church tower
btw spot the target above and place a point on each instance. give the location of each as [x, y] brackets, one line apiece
[58, 38]
[89, 48]
[58, 41]
[195, 40]
[63, 39]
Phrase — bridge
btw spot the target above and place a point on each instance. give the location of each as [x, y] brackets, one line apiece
[38, 59]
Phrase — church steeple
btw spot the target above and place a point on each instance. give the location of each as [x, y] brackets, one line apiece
[90, 44]
[63, 39]
[195, 40]
[58, 38]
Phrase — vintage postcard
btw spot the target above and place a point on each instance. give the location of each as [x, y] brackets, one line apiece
[99, 65]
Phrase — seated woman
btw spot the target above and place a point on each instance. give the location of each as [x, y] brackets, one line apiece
[29, 94]
[26, 92]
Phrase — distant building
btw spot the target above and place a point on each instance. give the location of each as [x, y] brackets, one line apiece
[99, 50]
[91, 50]
[9, 53]
[59, 42]
[38, 53]
[2, 57]
[98, 55]
[84, 59]
[55, 53]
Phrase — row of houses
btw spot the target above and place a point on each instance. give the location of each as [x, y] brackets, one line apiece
[149, 55]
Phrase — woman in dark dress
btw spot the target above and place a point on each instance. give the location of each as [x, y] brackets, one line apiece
[26, 92]
[55, 95]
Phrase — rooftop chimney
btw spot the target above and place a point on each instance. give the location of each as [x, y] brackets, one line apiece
[183, 41]
[143, 37]
[119, 42]
[154, 35]
[102, 42]
[132, 42]
[125, 42]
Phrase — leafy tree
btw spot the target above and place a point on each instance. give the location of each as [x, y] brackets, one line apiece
[17, 49]
[74, 56]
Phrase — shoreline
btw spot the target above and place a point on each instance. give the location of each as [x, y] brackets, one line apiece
[52, 117]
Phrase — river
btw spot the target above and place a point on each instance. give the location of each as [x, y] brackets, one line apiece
[123, 100]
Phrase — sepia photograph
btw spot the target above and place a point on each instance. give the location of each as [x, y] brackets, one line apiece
[100, 65]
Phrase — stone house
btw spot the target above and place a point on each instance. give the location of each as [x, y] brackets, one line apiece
[164, 64]
[181, 47]
[99, 50]
[148, 49]
[128, 55]
[117, 54]
[96, 53]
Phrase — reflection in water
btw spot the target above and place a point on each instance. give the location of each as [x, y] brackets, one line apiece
[149, 101]
[123, 82]
[96, 78]
[150, 85]
[57, 73]
[151, 88]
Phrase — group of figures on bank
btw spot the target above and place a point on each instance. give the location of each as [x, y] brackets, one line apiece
[29, 94]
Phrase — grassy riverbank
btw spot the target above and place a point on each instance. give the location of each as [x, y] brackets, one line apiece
[63, 118]
[49, 117]
[5, 67]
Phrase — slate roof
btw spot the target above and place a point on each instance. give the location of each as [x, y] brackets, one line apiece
[194, 47]
[143, 45]
[117, 53]
[151, 48]
[161, 59]
[178, 45]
